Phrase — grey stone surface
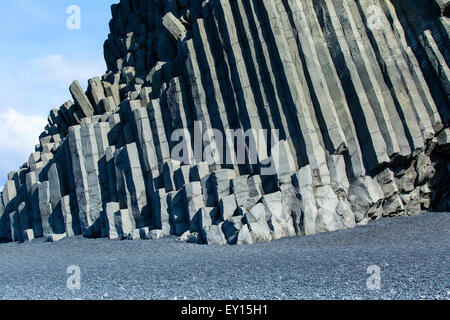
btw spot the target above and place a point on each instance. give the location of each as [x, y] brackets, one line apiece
[411, 252]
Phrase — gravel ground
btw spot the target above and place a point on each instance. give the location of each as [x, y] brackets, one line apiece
[411, 252]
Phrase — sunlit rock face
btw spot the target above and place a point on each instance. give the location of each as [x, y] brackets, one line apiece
[245, 121]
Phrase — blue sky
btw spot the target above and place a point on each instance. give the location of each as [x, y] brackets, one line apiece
[39, 59]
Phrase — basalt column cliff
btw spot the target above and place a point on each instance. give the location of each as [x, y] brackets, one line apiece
[357, 92]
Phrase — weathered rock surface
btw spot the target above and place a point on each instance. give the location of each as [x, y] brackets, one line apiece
[358, 91]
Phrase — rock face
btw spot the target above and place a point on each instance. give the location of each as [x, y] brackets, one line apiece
[357, 91]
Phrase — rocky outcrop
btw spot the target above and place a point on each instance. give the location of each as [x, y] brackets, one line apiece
[353, 96]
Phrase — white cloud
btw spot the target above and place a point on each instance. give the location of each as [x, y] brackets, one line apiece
[55, 69]
[20, 131]
[28, 93]
[19, 134]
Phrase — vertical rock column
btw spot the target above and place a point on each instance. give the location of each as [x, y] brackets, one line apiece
[84, 152]
[131, 187]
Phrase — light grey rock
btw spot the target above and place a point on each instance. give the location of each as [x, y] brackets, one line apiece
[213, 235]
[245, 236]
[124, 223]
[424, 168]
[251, 202]
[199, 171]
[173, 25]
[184, 237]
[228, 206]
[219, 185]
[113, 92]
[168, 173]
[255, 186]
[193, 190]
[156, 234]
[85, 167]
[386, 181]
[338, 173]
[134, 235]
[46, 157]
[194, 207]
[131, 185]
[405, 179]
[364, 193]
[96, 92]
[191, 237]
[28, 235]
[70, 217]
[57, 190]
[292, 207]
[207, 217]
[45, 206]
[279, 217]
[55, 237]
[260, 231]
[47, 147]
[326, 202]
[436, 59]
[284, 162]
[412, 202]
[303, 183]
[181, 176]
[112, 209]
[240, 189]
[344, 210]
[9, 192]
[34, 158]
[81, 99]
[393, 206]
[255, 214]
[146, 141]
[425, 189]
[107, 104]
